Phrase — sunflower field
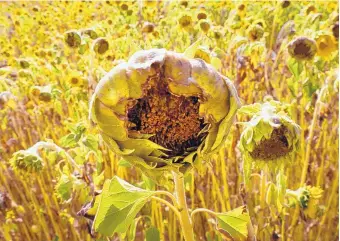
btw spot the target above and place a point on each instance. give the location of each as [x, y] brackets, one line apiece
[169, 120]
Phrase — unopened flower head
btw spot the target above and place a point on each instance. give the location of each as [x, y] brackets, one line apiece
[308, 198]
[164, 112]
[270, 138]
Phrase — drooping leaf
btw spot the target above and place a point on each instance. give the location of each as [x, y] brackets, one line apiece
[119, 204]
[235, 223]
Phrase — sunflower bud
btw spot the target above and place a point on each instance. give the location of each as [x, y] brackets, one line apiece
[73, 38]
[308, 198]
[269, 139]
[164, 112]
[302, 48]
[27, 161]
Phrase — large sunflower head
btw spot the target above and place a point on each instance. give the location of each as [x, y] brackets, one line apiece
[164, 112]
[270, 138]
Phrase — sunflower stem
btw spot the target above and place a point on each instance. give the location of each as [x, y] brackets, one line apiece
[185, 219]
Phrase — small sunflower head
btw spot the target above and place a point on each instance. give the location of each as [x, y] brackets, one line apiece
[148, 27]
[270, 138]
[326, 45]
[24, 63]
[27, 161]
[185, 21]
[162, 111]
[124, 6]
[100, 45]
[255, 32]
[201, 15]
[35, 91]
[302, 48]
[76, 80]
[204, 25]
[73, 38]
[285, 3]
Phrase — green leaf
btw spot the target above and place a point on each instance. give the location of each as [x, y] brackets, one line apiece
[91, 142]
[235, 222]
[64, 187]
[149, 184]
[69, 140]
[119, 204]
[152, 234]
[295, 67]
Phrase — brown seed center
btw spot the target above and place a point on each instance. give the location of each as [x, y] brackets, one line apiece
[274, 147]
[173, 120]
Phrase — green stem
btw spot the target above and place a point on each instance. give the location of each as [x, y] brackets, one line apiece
[185, 219]
[172, 207]
[172, 197]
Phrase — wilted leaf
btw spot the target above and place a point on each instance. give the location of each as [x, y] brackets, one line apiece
[119, 204]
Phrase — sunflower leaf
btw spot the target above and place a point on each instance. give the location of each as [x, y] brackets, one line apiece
[234, 222]
[119, 204]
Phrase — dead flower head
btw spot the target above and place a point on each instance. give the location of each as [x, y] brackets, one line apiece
[164, 112]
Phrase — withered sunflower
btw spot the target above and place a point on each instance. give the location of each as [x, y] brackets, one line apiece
[271, 138]
[164, 112]
[302, 48]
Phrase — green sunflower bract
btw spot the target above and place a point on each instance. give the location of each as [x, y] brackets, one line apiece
[163, 112]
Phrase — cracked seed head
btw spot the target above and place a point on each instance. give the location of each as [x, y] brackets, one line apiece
[164, 112]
